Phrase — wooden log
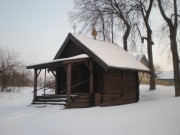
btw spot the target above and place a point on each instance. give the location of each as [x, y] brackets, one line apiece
[68, 83]
[91, 77]
[115, 102]
[113, 99]
[82, 97]
[88, 100]
[56, 83]
[35, 85]
[80, 105]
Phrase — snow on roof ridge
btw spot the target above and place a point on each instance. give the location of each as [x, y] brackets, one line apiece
[98, 40]
[113, 55]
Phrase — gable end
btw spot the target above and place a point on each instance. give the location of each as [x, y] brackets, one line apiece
[72, 47]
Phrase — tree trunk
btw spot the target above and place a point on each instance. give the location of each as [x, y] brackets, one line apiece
[152, 80]
[2, 88]
[3, 83]
[175, 57]
[112, 29]
[146, 15]
[173, 25]
[126, 35]
[103, 28]
[125, 20]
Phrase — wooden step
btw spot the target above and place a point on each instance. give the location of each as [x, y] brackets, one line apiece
[50, 103]
[52, 96]
[51, 100]
[78, 100]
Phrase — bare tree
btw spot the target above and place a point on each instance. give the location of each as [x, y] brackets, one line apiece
[144, 7]
[121, 9]
[89, 14]
[20, 78]
[8, 62]
[106, 15]
[158, 69]
[11, 69]
[172, 22]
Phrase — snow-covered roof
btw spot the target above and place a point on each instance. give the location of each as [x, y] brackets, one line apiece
[111, 54]
[58, 61]
[138, 57]
[107, 55]
[142, 58]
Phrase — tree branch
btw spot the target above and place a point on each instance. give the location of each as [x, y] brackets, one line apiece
[168, 20]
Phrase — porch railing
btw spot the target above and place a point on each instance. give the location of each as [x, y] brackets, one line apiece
[44, 88]
[75, 85]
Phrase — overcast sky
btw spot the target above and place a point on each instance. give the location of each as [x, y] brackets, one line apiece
[37, 29]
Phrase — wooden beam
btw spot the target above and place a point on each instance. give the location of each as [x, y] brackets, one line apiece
[91, 77]
[52, 72]
[68, 83]
[80, 83]
[44, 77]
[88, 66]
[56, 82]
[35, 84]
[39, 72]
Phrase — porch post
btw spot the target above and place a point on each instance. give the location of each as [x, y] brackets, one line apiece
[56, 82]
[35, 84]
[91, 76]
[68, 83]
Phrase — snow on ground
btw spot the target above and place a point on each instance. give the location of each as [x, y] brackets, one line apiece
[157, 113]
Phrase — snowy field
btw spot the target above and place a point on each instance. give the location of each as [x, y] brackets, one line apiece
[157, 113]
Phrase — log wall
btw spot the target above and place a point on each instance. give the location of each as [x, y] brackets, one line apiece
[82, 100]
[120, 87]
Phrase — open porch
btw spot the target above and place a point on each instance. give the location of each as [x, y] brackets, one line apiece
[73, 82]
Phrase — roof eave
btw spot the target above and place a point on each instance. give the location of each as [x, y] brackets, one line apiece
[130, 69]
[55, 64]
